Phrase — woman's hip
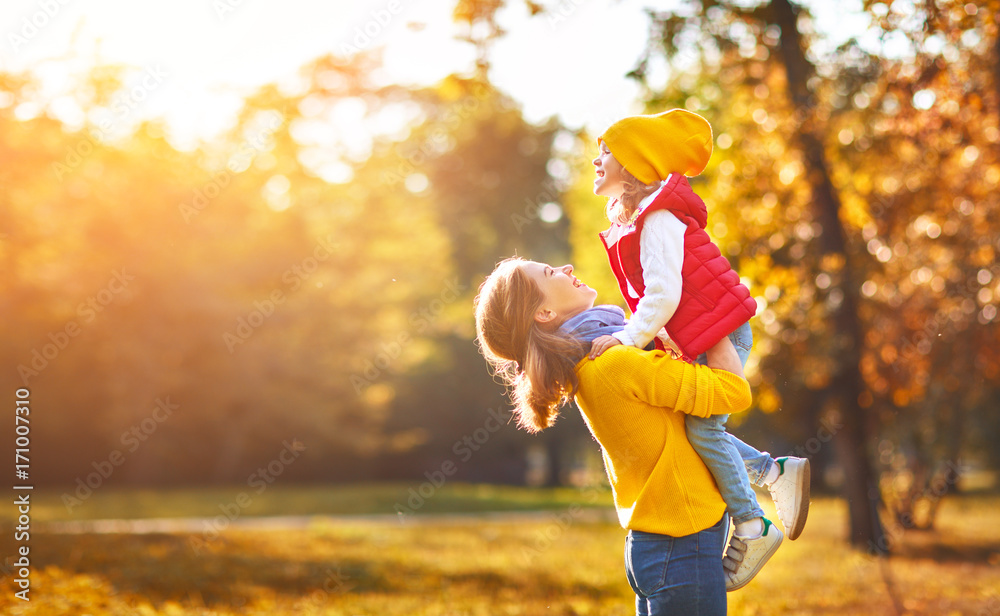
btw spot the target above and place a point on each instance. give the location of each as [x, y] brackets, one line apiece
[678, 575]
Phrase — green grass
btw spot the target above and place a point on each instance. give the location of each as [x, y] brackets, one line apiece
[361, 499]
[561, 564]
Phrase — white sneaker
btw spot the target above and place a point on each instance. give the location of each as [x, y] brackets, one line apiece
[745, 557]
[790, 493]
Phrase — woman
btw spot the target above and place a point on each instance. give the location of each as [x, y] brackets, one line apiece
[534, 324]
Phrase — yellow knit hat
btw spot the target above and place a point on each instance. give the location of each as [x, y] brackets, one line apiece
[651, 147]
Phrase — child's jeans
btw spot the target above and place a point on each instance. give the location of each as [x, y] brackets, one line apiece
[728, 458]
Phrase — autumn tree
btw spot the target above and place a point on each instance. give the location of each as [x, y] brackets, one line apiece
[844, 189]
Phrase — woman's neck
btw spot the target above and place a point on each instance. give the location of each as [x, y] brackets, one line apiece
[570, 315]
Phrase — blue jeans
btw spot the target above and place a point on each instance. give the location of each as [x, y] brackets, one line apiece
[729, 459]
[678, 575]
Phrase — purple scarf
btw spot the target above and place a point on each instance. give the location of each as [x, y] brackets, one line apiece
[593, 323]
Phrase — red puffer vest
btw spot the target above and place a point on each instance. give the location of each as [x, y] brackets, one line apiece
[713, 300]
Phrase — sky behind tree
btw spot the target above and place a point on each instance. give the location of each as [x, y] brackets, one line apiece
[208, 54]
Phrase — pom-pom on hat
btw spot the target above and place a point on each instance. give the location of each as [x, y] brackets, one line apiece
[651, 147]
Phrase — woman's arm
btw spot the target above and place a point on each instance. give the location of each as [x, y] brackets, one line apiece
[660, 380]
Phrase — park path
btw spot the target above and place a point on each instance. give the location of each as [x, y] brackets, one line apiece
[300, 522]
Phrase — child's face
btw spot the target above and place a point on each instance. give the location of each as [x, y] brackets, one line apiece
[610, 174]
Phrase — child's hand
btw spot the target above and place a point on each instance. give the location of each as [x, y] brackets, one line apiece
[602, 344]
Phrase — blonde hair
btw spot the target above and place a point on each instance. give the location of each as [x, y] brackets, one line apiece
[621, 210]
[535, 364]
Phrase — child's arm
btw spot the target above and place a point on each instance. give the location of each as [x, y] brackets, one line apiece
[661, 252]
[662, 256]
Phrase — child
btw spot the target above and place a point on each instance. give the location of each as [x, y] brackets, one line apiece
[673, 277]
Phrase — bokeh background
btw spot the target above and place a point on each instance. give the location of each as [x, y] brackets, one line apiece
[239, 243]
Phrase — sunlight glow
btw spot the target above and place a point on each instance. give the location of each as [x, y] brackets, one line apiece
[210, 55]
[550, 212]
[416, 183]
[924, 99]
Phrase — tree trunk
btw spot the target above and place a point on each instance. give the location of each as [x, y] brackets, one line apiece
[996, 58]
[860, 487]
[554, 458]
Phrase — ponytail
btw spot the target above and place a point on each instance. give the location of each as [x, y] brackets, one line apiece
[534, 364]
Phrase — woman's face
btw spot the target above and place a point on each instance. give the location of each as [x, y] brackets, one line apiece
[610, 180]
[563, 294]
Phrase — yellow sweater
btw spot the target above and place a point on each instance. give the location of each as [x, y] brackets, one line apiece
[633, 402]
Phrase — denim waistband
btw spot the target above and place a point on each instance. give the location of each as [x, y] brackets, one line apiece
[641, 535]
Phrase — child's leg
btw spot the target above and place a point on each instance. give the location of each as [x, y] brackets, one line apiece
[758, 463]
[742, 339]
[787, 480]
[709, 438]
